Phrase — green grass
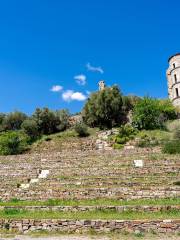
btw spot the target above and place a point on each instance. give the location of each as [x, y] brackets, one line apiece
[95, 202]
[88, 215]
[160, 135]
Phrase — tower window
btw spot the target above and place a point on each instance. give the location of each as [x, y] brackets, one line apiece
[177, 92]
[175, 78]
[174, 65]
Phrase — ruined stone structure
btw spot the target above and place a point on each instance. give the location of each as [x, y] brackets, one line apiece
[173, 77]
[102, 85]
[83, 226]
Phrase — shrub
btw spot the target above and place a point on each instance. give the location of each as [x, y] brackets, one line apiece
[117, 146]
[63, 116]
[172, 147]
[13, 142]
[126, 133]
[81, 129]
[49, 122]
[2, 117]
[13, 121]
[152, 113]
[174, 127]
[104, 109]
[176, 133]
[30, 127]
[46, 120]
[129, 102]
[147, 141]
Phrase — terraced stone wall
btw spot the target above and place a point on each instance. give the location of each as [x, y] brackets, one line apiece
[24, 226]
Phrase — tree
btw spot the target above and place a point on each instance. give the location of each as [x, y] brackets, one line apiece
[30, 127]
[152, 113]
[46, 120]
[104, 108]
[49, 122]
[2, 117]
[13, 121]
[63, 116]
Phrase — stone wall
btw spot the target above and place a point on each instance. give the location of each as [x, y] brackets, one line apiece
[26, 225]
[94, 208]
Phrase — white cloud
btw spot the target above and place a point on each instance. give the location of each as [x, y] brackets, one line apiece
[70, 95]
[80, 79]
[94, 69]
[56, 88]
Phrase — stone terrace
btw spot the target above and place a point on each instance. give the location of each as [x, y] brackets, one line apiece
[77, 170]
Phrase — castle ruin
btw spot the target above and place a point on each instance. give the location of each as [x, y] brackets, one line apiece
[102, 85]
[173, 77]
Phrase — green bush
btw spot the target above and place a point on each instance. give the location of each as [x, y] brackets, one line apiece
[129, 102]
[81, 129]
[171, 147]
[50, 122]
[126, 133]
[13, 121]
[13, 142]
[63, 116]
[46, 120]
[147, 141]
[2, 117]
[176, 133]
[104, 109]
[30, 127]
[117, 146]
[152, 113]
[171, 126]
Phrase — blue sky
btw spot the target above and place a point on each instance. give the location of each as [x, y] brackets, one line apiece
[46, 43]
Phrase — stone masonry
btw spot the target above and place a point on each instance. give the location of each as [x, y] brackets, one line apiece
[82, 226]
[173, 77]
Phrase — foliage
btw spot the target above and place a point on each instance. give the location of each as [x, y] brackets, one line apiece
[118, 146]
[176, 133]
[13, 121]
[126, 133]
[129, 102]
[152, 113]
[46, 121]
[49, 122]
[2, 116]
[13, 142]
[174, 127]
[146, 140]
[63, 116]
[167, 109]
[30, 127]
[104, 109]
[81, 129]
[172, 147]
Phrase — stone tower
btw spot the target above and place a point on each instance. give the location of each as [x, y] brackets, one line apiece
[102, 85]
[173, 77]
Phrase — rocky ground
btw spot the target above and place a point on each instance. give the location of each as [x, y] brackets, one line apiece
[115, 237]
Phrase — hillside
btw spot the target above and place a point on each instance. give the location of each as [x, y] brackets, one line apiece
[70, 177]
